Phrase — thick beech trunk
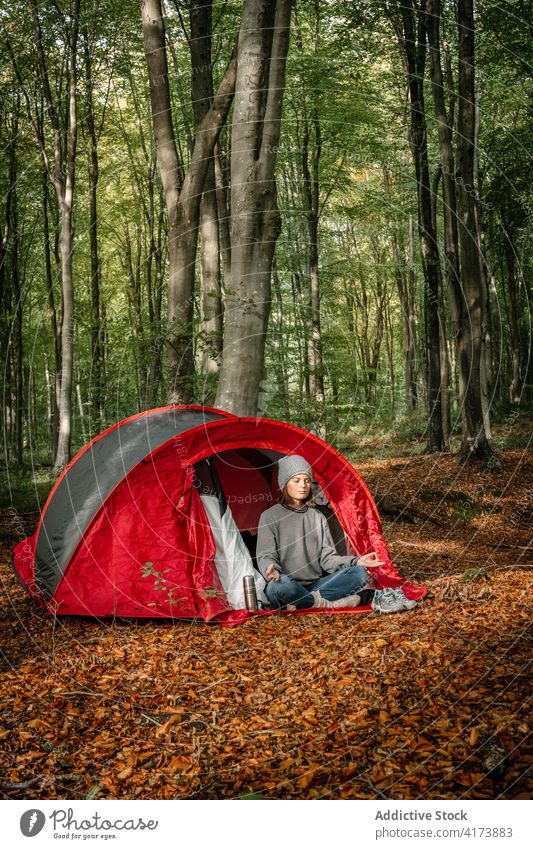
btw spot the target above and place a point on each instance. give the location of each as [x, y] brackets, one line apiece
[256, 222]
[182, 196]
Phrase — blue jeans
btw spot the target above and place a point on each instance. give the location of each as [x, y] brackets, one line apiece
[345, 582]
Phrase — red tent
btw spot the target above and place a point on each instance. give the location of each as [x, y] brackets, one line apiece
[126, 530]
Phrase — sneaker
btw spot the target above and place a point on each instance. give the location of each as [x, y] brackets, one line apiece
[385, 601]
[408, 603]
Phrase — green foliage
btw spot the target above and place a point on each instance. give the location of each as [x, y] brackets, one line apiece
[344, 78]
[161, 584]
[475, 575]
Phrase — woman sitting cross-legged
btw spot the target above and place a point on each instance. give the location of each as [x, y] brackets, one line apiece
[297, 557]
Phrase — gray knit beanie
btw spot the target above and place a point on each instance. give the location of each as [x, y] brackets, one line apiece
[290, 466]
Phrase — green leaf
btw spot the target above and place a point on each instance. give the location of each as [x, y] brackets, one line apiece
[93, 792]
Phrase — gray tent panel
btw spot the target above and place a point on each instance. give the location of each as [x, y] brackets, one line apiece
[85, 486]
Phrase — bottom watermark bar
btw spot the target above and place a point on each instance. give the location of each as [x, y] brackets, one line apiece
[233, 825]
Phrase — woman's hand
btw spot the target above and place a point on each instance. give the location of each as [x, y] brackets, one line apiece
[369, 561]
[271, 573]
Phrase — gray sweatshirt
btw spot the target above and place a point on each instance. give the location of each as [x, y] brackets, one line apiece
[298, 543]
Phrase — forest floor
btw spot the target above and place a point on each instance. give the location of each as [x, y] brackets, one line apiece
[428, 704]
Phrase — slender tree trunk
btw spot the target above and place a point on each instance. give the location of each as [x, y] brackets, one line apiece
[97, 389]
[445, 129]
[405, 288]
[67, 248]
[153, 205]
[80, 407]
[411, 299]
[62, 175]
[49, 406]
[56, 336]
[379, 330]
[495, 336]
[67, 336]
[445, 374]
[389, 344]
[486, 364]
[223, 215]
[156, 237]
[311, 149]
[311, 197]
[17, 330]
[256, 222]
[280, 353]
[211, 298]
[202, 97]
[475, 444]
[413, 46]
[443, 358]
[133, 264]
[300, 308]
[515, 389]
[11, 337]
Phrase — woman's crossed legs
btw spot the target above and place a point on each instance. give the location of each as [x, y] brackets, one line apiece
[332, 587]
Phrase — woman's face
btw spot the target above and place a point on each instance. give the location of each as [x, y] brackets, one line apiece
[298, 488]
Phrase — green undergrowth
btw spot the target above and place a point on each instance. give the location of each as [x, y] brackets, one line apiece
[26, 490]
[366, 439]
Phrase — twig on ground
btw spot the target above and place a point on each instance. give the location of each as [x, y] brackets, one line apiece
[24, 785]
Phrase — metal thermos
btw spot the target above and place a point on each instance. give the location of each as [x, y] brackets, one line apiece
[250, 595]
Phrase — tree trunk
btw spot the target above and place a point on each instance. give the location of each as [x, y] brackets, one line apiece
[223, 215]
[63, 178]
[475, 444]
[56, 336]
[413, 47]
[97, 389]
[495, 346]
[256, 223]
[157, 338]
[445, 375]
[389, 345]
[411, 299]
[133, 264]
[62, 175]
[17, 329]
[515, 389]
[182, 197]
[67, 336]
[202, 97]
[11, 337]
[311, 198]
[445, 129]
[451, 239]
[211, 299]
[280, 353]
[406, 289]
